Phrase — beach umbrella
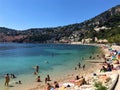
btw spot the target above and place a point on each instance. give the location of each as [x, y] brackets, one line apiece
[114, 52]
[118, 52]
[119, 55]
[113, 57]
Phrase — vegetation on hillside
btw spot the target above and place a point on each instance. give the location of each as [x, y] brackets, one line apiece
[74, 32]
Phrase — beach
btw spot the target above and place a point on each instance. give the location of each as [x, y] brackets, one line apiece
[57, 70]
[91, 68]
[94, 68]
[33, 85]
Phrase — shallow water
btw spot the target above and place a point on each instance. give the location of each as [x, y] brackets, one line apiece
[61, 58]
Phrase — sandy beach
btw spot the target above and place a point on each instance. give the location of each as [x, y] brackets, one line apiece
[31, 84]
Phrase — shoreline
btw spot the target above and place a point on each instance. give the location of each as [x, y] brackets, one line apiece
[33, 85]
[66, 78]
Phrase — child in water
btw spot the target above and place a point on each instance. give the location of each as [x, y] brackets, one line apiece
[38, 79]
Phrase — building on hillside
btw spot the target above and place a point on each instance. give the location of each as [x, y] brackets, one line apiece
[86, 41]
[100, 28]
[75, 36]
[64, 40]
[102, 41]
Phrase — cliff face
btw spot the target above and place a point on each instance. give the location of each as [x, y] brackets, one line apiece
[109, 19]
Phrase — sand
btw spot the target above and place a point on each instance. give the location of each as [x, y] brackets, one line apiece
[33, 85]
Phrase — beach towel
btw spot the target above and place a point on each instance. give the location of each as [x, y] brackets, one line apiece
[62, 88]
[68, 84]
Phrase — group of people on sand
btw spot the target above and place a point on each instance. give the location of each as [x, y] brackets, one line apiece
[107, 67]
[110, 60]
[7, 79]
[52, 87]
[79, 66]
[79, 80]
[38, 79]
[48, 86]
[47, 79]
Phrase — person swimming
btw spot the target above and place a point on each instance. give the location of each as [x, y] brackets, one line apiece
[46, 62]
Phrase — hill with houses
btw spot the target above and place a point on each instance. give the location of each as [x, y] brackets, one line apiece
[103, 28]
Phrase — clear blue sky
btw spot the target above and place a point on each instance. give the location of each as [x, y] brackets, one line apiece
[24, 14]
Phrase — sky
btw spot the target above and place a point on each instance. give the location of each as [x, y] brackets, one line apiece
[25, 14]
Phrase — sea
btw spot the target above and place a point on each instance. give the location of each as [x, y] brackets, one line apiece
[52, 59]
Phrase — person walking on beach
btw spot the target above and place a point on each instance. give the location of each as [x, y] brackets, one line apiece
[48, 78]
[83, 66]
[79, 65]
[7, 79]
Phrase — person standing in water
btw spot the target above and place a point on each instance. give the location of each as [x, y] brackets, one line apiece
[7, 79]
[37, 68]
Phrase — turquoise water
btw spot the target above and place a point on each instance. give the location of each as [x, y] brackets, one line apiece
[20, 58]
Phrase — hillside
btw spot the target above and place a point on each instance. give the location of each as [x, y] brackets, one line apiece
[104, 26]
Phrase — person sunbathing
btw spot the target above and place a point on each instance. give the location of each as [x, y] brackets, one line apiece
[49, 87]
[80, 81]
[56, 85]
[104, 78]
[103, 69]
[109, 68]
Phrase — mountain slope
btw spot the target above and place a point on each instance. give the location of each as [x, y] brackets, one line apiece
[105, 25]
